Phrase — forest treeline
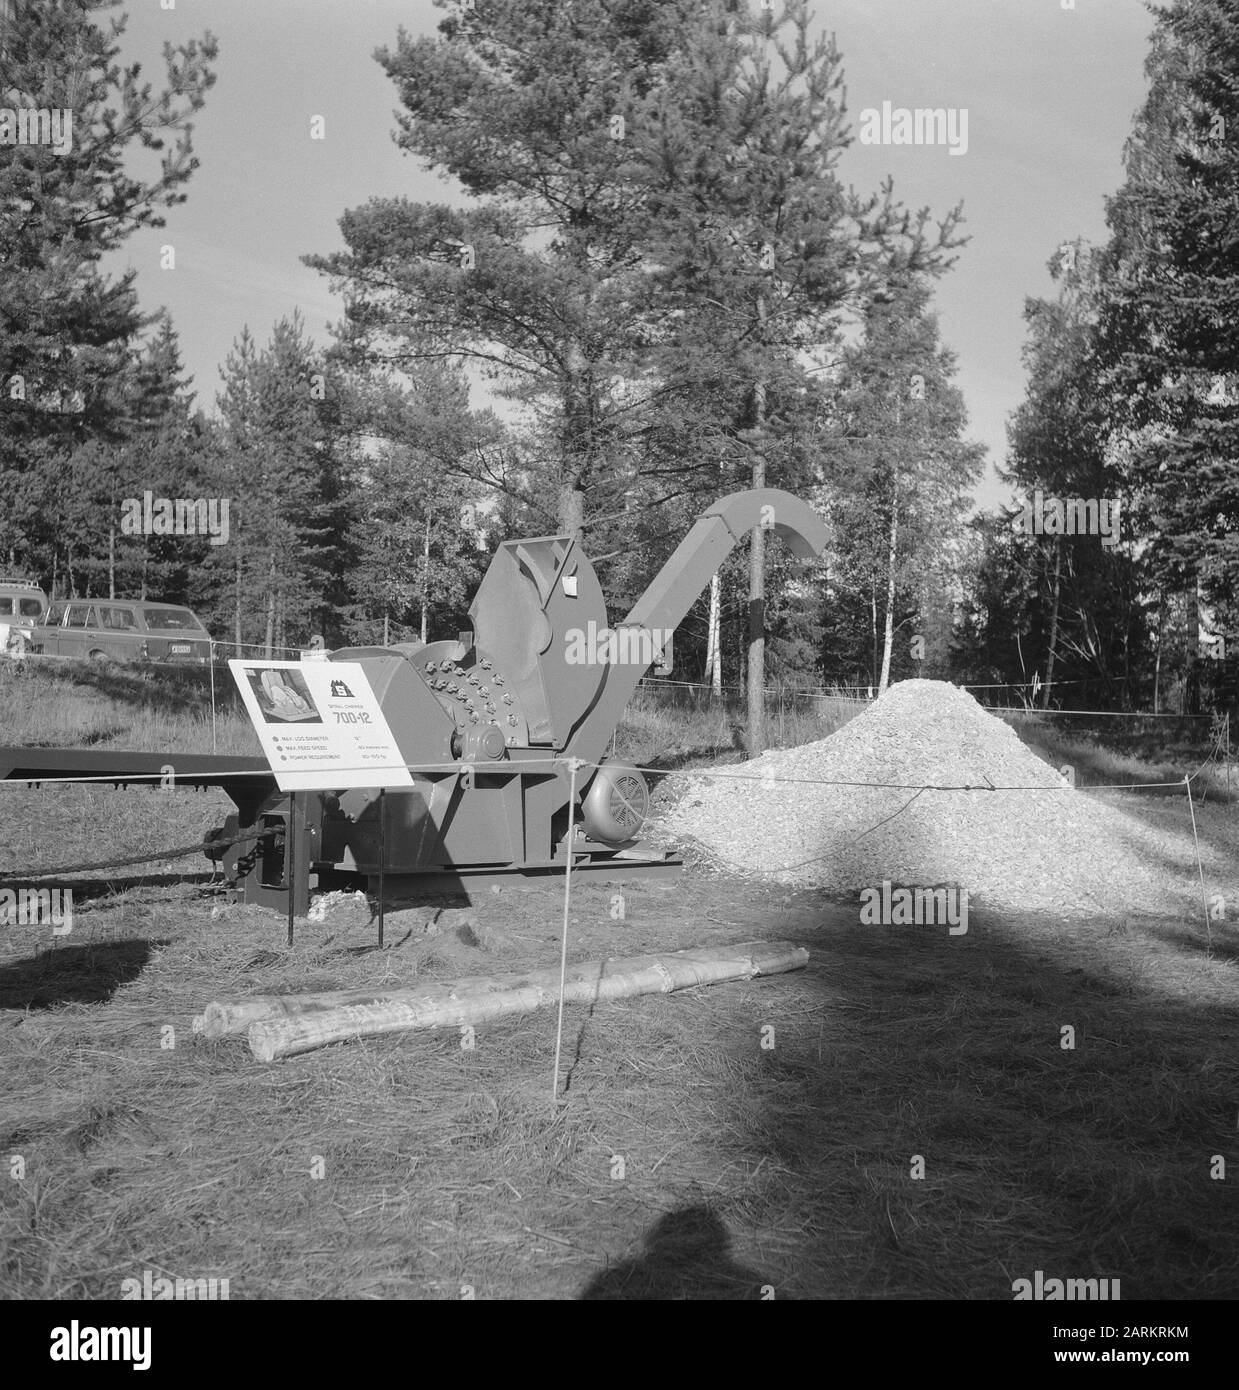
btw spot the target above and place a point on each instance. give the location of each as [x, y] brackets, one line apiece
[654, 290]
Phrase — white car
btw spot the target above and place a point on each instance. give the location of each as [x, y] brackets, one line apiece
[22, 604]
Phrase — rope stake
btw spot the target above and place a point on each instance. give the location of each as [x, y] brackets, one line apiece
[1199, 868]
[573, 765]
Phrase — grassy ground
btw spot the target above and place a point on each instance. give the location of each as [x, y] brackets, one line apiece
[687, 1160]
[55, 703]
[443, 1167]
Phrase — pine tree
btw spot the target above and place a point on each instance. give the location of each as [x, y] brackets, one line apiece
[762, 253]
[418, 530]
[1061, 447]
[532, 106]
[901, 469]
[1001, 609]
[283, 464]
[1169, 334]
[67, 332]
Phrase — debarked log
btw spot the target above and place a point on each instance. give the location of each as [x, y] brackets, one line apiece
[283, 1025]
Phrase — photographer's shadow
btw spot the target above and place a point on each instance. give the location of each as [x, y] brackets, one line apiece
[686, 1258]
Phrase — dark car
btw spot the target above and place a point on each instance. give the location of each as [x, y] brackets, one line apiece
[122, 630]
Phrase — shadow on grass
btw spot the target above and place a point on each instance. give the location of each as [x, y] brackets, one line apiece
[1099, 758]
[686, 1256]
[73, 974]
[1194, 940]
[1213, 835]
[1086, 1157]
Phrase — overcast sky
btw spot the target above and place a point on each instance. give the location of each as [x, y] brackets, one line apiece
[1049, 93]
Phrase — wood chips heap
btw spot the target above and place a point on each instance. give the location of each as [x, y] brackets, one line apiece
[1033, 843]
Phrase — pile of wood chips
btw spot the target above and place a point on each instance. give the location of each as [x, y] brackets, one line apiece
[1020, 837]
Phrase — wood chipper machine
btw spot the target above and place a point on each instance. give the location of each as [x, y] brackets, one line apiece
[497, 728]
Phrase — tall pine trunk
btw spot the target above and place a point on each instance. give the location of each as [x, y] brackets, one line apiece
[888, 636]
[757, 620]
[426, 580]
[757, 575]
[269, 635]
[112, 561]
[1157, 664]
[576, 441]
[873, 635]
[236, 607]
[1049, 661]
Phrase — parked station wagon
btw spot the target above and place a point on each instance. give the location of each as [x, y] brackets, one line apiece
[122, 630]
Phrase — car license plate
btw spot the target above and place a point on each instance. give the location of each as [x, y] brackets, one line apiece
[180, 648]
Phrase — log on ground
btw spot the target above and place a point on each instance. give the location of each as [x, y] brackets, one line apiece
[282, 1026]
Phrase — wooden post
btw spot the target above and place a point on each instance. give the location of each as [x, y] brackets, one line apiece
[573, 764]
[382, 858]
[214, 735]
[290, 860]
[755, 680]
[1204, 902]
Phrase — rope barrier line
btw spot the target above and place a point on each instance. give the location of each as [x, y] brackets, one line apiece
[904, 786]
[575, 764]
[177, 852]
[819, 692]
[1092, 713]
[707, 774]
[241, 646]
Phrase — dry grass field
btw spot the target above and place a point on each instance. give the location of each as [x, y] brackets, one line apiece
[685, 1159]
